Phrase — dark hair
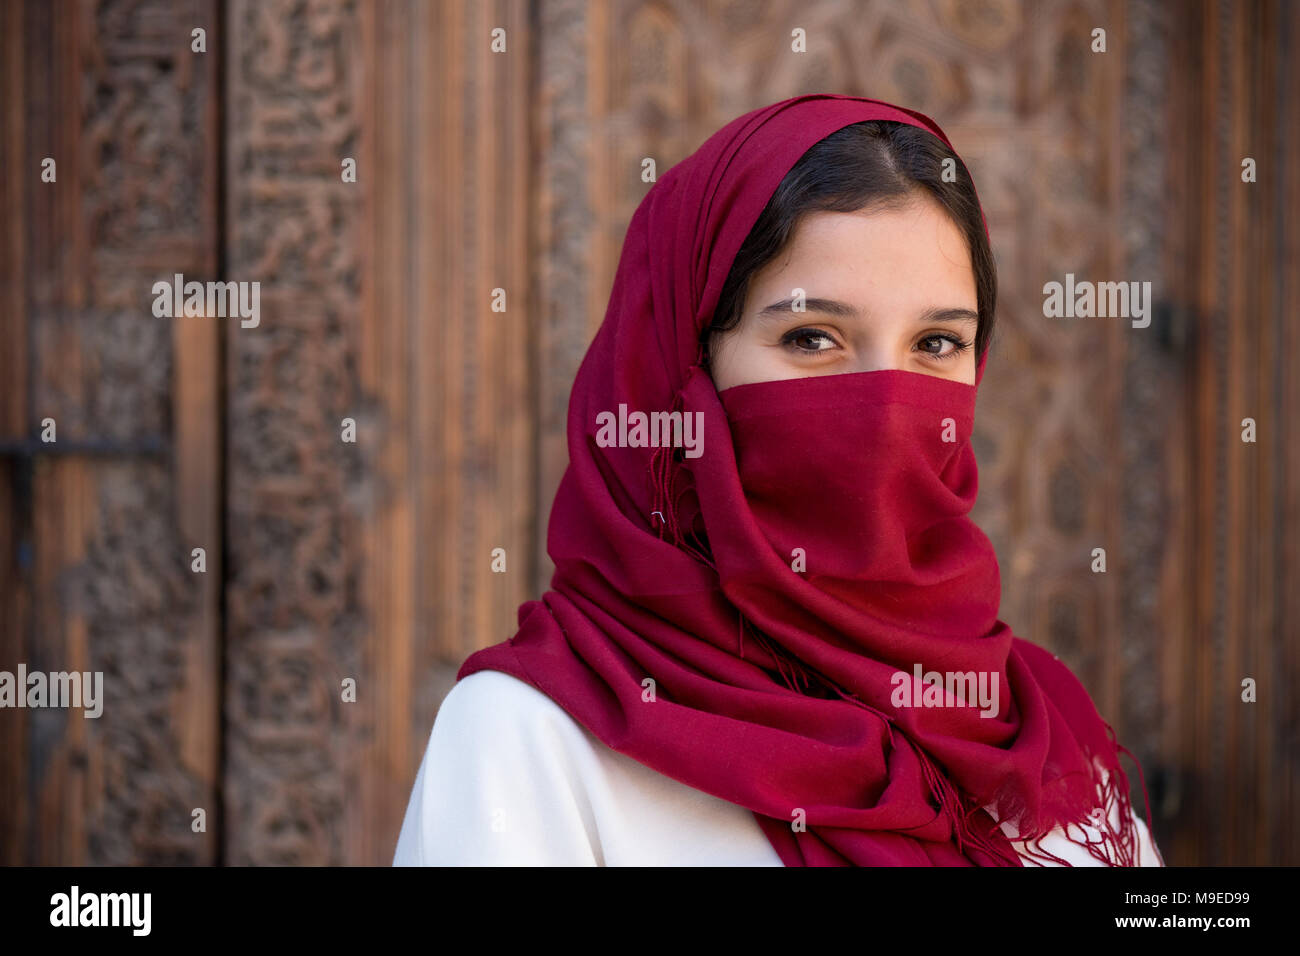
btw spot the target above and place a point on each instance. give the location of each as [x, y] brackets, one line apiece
[879, 164]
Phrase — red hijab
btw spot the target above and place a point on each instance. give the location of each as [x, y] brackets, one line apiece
[738, 619]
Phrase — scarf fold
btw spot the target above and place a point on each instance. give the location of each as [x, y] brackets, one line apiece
[751, 619]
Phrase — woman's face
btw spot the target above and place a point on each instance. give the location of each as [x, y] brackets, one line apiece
[883, 289]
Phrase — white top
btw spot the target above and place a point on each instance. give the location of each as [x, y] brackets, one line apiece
[510, 779]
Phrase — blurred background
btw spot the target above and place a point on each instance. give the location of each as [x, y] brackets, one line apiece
[519, 169]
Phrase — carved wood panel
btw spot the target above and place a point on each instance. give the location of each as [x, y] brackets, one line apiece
[295, 622]
[99, 524]
[369, 560]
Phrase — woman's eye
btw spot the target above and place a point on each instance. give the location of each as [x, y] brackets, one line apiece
[808, 340]
[942, 346]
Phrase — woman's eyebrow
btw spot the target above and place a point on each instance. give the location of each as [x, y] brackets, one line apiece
[950, 315]
[827, 306]
[835, 307]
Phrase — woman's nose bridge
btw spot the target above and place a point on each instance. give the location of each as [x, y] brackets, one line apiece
[877, 356]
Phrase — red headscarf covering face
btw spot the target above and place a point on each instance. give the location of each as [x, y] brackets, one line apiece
[749, 618]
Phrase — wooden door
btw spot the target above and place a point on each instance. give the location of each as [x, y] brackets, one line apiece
[440, 301]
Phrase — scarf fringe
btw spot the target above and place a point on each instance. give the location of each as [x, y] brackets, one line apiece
[666, 491]
[1116, 846]
[951, 804]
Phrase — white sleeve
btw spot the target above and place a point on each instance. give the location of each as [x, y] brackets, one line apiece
[497, 785]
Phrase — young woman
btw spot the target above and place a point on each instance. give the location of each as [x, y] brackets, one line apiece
[772, 633]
